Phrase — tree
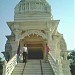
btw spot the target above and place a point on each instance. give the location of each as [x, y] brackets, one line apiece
[1, 67]
[71, 56]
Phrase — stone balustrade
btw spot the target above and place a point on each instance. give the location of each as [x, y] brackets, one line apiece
[54, 64]
[8, 67]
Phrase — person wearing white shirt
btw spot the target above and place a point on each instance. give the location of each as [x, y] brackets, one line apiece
[25, 53]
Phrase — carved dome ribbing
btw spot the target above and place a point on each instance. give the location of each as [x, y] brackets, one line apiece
[26, 6]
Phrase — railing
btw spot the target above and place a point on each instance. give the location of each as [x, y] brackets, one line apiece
[8, 67]
[54, 64]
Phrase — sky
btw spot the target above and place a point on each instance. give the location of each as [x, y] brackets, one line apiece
[62, 10]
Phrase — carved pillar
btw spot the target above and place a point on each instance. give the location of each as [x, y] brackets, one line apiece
[44, 45]
[17, 34]
[57, 51]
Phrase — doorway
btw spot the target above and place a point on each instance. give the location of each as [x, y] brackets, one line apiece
[35, 51]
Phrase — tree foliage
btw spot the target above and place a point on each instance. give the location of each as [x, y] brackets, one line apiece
[1, 67]
[72, 56]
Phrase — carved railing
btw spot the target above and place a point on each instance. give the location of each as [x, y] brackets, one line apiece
[54, 64]
[8, 67]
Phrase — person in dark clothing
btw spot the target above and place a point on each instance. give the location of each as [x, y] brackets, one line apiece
[8, 56]
[18, 54]
[25, 53]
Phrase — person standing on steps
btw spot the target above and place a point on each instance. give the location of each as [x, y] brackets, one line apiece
[47, 51]
[25, 53]
[18, 54]
[8, 57]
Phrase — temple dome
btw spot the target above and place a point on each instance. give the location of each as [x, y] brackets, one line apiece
[28, 7]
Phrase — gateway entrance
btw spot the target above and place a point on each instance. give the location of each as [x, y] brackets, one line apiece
[35, 51]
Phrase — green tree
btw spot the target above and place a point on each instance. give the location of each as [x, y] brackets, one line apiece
[72, 56]
[1, 67]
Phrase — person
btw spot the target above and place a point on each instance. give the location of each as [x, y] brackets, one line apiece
[18, 54]
[25, 53]
[47, 51]
[8, 56]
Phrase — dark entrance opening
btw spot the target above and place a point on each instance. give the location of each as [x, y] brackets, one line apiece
[35, 53]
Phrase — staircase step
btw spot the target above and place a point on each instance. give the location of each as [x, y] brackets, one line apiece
[33, 67]
[47, 70]
[18, 69]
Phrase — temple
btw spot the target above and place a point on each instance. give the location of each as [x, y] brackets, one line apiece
[34, 26]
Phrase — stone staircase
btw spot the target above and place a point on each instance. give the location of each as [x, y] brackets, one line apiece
[33, 67]
[18, 69]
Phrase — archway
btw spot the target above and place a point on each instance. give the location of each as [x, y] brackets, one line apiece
[35, 45]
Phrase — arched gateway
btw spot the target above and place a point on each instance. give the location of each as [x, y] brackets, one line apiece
[35, 41]
[35, 45]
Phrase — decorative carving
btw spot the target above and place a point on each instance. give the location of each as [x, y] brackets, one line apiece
[63, 46]
[8, 46]
[26, 6]
[37, 32]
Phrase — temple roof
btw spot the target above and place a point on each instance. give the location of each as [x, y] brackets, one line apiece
[29, 7]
